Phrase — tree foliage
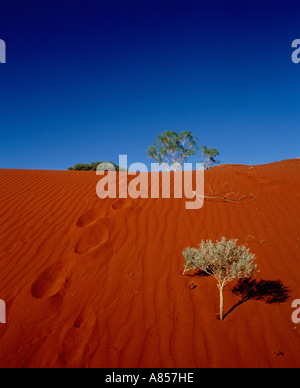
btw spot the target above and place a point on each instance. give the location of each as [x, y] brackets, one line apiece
[224, 260]
[209, 157]
[173, 148]
[93, 166]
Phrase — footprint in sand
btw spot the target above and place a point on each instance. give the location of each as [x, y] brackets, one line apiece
[52, 281]
[81, 339]
[94, 236]
[122, 204]
[90, 217]
[128, 204]
[86, 319]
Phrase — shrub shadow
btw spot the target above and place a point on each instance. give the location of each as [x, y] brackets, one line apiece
[198, 274]
[268, 291]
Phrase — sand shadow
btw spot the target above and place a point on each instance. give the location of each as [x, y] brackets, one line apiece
[197, 274]
[268, 291]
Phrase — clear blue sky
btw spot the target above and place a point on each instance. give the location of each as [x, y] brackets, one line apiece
[89, 80]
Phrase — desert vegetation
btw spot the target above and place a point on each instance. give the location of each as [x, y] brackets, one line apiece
[93, 166]
[209, 157]
[170, 148]
[175, 148]
[224, 260]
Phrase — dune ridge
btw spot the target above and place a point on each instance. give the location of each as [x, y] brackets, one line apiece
[97, 283]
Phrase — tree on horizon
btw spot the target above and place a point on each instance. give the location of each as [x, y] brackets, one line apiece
[173, 148]
[92, 166]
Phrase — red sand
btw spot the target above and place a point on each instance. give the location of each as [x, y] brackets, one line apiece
[97, 283]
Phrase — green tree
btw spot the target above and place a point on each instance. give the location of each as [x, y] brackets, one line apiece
[209, 157]
[173, 148]
[92, 166]
[224, 260]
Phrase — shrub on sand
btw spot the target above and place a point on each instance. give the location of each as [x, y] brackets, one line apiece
[224, 260]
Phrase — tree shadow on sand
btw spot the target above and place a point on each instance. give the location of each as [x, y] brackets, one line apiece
[198, 274]
[268, 291]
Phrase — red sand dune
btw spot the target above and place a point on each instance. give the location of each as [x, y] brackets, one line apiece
[97, 283]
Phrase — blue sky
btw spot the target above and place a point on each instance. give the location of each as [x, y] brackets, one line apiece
[89, 80]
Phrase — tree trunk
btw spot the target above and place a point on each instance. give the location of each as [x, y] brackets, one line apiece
[221, 303]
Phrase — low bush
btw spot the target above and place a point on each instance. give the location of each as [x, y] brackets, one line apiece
[224, 260]
[93, 166]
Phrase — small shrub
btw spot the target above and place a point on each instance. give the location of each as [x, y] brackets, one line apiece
[224, 260]
[92, 166]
